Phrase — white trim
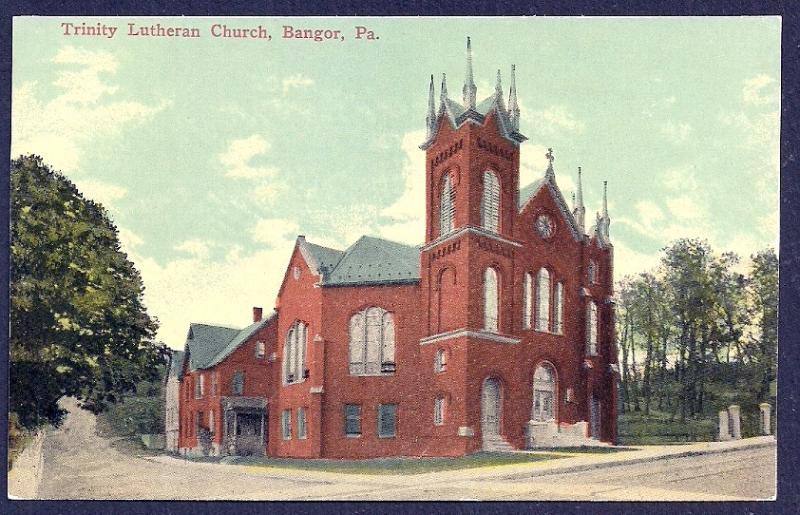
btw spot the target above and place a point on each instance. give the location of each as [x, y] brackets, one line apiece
[458, 333]
[316, 389]
[468, 229]
[466, 431]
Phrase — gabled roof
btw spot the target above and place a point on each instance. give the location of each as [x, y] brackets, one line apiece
[207, 345]
[241, 338]
[458, 115]
[549, 181]
[319, 257]
[373, 260]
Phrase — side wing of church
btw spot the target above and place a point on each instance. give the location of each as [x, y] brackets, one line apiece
[496, 334]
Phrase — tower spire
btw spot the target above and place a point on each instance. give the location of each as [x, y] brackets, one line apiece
[513, 105]
[443, 93]
[470, 90]
[580, 210]
[605, 199]
[603, 220]
[498, 88]
[431, 120]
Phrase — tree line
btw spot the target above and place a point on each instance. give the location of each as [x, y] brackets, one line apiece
[696, 334]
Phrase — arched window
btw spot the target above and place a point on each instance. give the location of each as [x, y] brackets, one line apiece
[527, 300]
[447, 205]
[440, 362]
[558, 308]
[490, 202]
[543, 300]
[372, 342]
[592, 272]
[591, 329]
[544, 393]
[439, 406]
[490, 299]
[294, 353]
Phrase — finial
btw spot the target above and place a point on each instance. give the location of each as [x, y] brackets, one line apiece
[498, 88]
[470, 90]
[513, 106]
[443, 94]
[431, 120]
[573, 201]
[605, 199]
[550, 174]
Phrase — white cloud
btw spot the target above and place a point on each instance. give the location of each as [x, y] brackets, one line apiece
[62, 128]
[268, 192]
[407, 213]
[240, 152]
[295, 81]
[272, 231]
[105, 193]
[681, 178]
[759, 90]
[630, 262]
[194, 247]
[684, 208]
[556, 119]
[676, 132]
[532, 164]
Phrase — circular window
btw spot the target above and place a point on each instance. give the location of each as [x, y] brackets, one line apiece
[296, 273]
[545, 226]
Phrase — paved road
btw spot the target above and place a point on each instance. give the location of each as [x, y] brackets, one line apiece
[78, 464]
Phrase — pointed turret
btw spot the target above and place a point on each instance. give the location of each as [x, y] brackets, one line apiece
[470, 90]
[513, 104]
[605, 220]
[443, 93]
[498, 87]
[431, 119]
[580, 210]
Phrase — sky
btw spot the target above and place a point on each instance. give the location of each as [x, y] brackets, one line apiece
[212, 154]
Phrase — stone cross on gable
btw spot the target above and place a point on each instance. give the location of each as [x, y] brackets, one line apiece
[550, 156]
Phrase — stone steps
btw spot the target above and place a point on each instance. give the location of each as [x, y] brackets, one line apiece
[497, 444]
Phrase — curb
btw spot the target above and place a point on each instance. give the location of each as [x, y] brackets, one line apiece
[633, 461]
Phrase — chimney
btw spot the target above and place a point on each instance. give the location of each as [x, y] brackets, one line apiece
[257, 314]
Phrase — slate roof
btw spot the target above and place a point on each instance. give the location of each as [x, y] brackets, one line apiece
[372, 260]
[549, 180]
[457, 115]
[208, 345]
[323, 257]
[175, 363]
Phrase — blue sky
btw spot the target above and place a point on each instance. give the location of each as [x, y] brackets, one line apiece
[213, 154]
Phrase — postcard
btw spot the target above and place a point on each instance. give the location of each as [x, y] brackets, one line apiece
[364, 258]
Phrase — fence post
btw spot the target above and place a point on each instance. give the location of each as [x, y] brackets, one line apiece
[724, 430]
[734, 413]
[765, 418]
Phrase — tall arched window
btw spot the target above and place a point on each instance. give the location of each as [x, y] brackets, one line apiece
[558, 308]
[490, 202]
[294, 353]
[543, 300]
[490, 299]
[591, 329]
[592, 272]
[447, 205]
[544, 393]
[527, 300]
[372, 342]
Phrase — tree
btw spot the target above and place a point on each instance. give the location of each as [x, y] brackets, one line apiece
[763, 348]
[78, 324]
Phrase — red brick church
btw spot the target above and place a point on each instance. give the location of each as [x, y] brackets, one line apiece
[496, 333]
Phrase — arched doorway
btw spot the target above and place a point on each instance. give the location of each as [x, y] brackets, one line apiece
[490, 408]
[544, 393]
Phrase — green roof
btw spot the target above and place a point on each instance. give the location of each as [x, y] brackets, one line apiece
[373, 260]
[175, 363]
[207, 345]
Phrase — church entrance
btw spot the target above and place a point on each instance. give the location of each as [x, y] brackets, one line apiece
[490, 408]
[544, 394]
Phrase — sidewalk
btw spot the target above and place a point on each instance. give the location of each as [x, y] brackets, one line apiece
[569, 463]
[26, 474]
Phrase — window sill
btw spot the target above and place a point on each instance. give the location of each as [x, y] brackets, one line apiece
[387, 436]
[294, 382]
[352, 436]
[382, 374]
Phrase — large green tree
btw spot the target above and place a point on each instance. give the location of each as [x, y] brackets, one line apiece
[78, 324]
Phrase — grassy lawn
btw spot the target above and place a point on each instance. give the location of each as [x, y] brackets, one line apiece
[379, 466]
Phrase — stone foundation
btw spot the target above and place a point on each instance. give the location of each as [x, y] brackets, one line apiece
[553, 434]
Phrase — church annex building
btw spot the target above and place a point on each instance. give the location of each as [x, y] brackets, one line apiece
[497, 333]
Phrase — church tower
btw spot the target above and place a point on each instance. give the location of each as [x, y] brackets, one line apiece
[472, 185]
